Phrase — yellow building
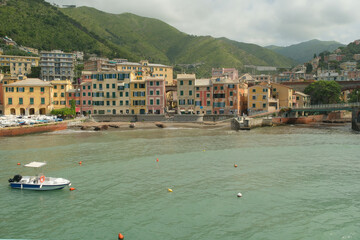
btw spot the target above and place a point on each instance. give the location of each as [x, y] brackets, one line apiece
[111, 92]
[138, 97]
[260, 99]
[186, 93]
[19, 65]
[146, 69]
[60, 89]
[302, 99]
[28, 97]
[285, 94]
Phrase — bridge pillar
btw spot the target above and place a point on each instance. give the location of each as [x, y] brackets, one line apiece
[355, 123]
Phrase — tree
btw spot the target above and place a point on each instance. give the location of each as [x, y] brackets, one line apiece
[324, 92]
[354, 96]
[35, 72]
[314, 55]
[309, 68]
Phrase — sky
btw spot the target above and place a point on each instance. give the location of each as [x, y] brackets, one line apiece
[262, 22]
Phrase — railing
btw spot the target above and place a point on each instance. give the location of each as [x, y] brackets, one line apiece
[330, 106]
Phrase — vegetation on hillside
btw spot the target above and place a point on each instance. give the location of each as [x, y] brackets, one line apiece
[305, 51]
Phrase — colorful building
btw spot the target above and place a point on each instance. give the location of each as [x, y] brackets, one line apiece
[231, 73]
[260, 99]
[284, 94]
[302, 99]
[28, 97]
[146, 69]
[186, 93]
[61, 87]
[155, 95]
[86, 106]
[111, 92]
[19, 65]
[74, 95]
[138, 96]
[203, 96]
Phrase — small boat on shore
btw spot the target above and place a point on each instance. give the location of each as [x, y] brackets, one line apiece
[39, 181]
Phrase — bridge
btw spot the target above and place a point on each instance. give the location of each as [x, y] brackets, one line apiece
[327, 107]
[300, 86]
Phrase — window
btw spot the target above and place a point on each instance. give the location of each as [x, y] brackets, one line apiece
[264, 96]
[254, 90]
[9, 101]
[114, 103]
[208, 95]
[42, 100]
[254, 105]
[231, 93]
[84, 87]
[264, 105]
[222, 88]
[190, 93]
[84, 102]
[254, 97]
[190, 82]
[231, 103]
[215, 88]
[55, 87]
[197, 103]
[31, 100]
[181, 82]
[181, 93]
[198, 95]
[62, 86]
[107, 103]
[197, 88]
[94, 86]
[157, 83]
[62, 94]
[107, 86]
[89, 102]
[157, 101]
[42, 89]
[121, 102]
[151, 83]
[157, 92]
[84, 94]
[31, 89]
[121, 94]
[114, 94]
[207, 103]
[274, 89]
[55, 94]
[151, 102]
[151, 92]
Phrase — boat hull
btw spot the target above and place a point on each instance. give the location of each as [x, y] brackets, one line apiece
[38, 187]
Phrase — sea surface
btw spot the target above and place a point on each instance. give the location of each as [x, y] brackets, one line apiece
[296, 182]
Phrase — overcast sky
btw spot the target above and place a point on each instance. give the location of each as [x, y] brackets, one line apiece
[263, 22]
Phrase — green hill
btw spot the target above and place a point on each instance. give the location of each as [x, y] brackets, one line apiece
[36, 23]
[305, 51]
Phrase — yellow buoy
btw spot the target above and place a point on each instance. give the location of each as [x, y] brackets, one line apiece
[170, 190]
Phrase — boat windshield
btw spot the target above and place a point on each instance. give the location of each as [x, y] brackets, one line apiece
[35, 164]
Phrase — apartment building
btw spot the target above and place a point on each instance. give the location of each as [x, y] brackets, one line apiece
[19, 65]
[28, 97]
[186, 93]
[261, 100]
[155, 95]
[60, 88]
[57, 65]
[203, 96]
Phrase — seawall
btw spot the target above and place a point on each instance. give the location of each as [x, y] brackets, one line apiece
[22, 130]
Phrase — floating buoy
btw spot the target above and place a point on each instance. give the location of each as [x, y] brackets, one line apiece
[239, 195]
[204, 150]
[170, 190]
[72, 189]
[235, 165]
[157, 160]
[18, 163]
[80, 162]
[120, 236]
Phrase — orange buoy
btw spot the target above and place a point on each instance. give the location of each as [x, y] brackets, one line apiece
[235, 165]
[157, 160]
[18, 163]
[121, 237]
[80, 162]
[72, 189]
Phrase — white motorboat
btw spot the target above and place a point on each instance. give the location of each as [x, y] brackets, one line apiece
[38, 182]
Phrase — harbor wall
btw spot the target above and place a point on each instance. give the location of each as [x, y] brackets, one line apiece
[149, 118]
[22, 130]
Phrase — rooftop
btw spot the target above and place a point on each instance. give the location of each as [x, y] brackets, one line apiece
[202, 82]
[32, 82]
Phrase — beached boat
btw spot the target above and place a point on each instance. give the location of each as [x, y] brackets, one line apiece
[39, 181]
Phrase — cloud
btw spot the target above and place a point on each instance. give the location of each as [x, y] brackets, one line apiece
[263, 22]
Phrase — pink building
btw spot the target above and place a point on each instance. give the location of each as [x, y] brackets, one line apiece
[155, 95]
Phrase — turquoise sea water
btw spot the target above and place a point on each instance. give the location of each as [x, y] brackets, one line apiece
[297, 183]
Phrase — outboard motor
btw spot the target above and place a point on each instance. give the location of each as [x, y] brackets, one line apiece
[16, 178]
